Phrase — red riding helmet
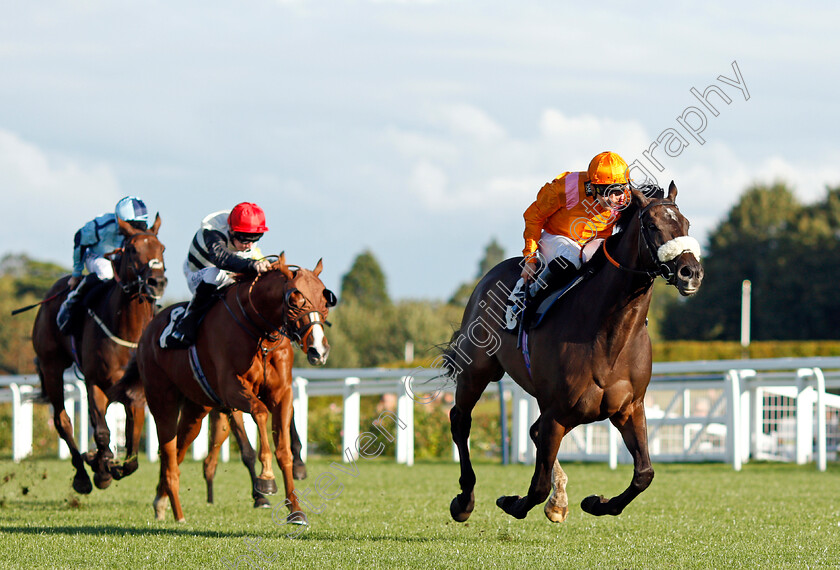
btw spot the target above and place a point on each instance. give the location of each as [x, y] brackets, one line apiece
[247, 218]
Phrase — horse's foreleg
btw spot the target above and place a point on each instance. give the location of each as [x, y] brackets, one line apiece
[281, 424]
[299, 468]
[633, 429]
[265, 481]
[135, 414]
[548, 434]
[101, 459]
[248, 456]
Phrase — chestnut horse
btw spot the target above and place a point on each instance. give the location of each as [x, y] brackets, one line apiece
[588, 360]
[220, 425]
[102, 347]
[242, 361]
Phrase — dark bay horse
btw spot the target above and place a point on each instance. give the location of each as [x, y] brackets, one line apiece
[590, 358]
[243, 361]
[103, 346]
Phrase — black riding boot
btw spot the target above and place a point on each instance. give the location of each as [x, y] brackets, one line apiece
[68, 317]
[186, 329]
[557, 273]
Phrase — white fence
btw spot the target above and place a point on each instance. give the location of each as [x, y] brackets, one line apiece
[727, 411]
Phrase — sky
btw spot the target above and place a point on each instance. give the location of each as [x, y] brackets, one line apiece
[418, 130]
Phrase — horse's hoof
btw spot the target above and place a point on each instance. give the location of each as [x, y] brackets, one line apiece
[299, 471]
[266, 486]
[159, 505]
[261, 503]
[102, 480]
[556, 514]
[89, 457]
[297, 517]
[82, 484]
[459, 512]
[595, 505]
[511, 505]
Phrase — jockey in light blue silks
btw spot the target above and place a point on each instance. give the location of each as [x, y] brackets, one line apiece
[96, 238]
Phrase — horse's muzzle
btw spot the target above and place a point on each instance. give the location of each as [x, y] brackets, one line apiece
[689, 274]
[315, 357]
[155, 285]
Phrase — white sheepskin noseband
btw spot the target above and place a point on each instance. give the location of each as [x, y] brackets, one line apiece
[677, 246]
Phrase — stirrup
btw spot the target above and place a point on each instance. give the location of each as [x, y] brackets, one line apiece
[177, 340]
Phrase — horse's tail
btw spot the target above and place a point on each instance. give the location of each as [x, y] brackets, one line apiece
[129, 390]
[449, 357]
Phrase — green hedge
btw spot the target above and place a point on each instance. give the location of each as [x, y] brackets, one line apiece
[681, 350]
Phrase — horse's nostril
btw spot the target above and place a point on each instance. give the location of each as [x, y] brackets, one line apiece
[686, 272]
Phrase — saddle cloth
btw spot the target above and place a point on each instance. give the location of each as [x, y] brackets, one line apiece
[173, 318]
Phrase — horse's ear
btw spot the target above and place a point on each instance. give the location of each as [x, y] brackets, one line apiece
[672, 191]
[126, 229]
[155, 226]
[640, 198]
[318, 267]
[283, 268]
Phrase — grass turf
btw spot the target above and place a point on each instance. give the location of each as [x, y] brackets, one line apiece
[388, 515]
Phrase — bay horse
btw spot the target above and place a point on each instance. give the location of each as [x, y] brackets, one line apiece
[101, 347]
[589, 359]
[242, 361]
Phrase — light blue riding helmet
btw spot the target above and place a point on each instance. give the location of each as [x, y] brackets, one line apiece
[132, 209]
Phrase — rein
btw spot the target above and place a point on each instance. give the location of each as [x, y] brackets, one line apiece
[108, 333]
[663, 270]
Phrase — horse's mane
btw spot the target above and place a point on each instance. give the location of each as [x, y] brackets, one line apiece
[627, 216]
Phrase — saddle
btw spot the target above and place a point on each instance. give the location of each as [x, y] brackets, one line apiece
[538, 306]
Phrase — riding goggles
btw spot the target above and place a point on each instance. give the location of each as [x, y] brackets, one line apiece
[611, 189]
[246, 238]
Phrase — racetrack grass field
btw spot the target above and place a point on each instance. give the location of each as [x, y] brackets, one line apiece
[392, 516]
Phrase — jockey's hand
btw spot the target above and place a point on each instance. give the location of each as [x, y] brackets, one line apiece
[262, 265]
[73, 281]
[528, 271]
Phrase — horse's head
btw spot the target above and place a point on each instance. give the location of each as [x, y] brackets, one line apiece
[141, 268]
[306, 304]
[665, 232]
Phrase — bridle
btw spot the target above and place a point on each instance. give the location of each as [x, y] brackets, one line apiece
[297, 322]
[139, 286]
[665, 269]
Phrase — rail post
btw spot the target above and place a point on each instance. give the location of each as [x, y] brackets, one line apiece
[351, 418]
[22, 424]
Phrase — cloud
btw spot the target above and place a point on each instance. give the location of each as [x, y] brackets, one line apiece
[469, 162]
[49, 196]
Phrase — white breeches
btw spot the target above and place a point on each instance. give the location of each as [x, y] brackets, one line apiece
[552, 246]
[103, 268]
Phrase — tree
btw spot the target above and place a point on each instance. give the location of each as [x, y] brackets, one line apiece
[364, 283]
[23, 281]
[791, 255]
[493, 255]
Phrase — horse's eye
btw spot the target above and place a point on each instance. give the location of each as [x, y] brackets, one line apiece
[652, 227]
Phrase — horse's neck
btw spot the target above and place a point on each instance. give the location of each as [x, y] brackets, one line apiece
[627, 294]
[127, 314]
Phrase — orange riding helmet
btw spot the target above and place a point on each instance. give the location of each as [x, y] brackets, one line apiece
[608, 168]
